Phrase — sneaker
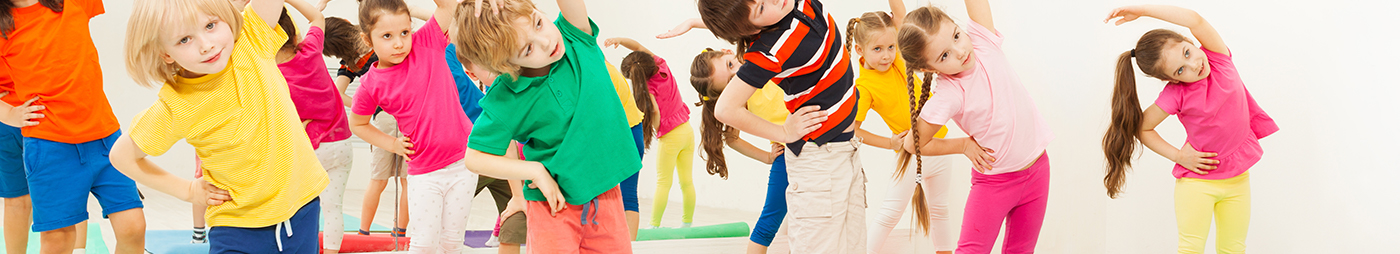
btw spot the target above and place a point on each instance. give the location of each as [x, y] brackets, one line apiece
[685, 225]
[493, 242]
[199, 240]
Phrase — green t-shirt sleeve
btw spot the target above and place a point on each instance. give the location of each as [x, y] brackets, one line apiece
[569, 31]
[489, 133]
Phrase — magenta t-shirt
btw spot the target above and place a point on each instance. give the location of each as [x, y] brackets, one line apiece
[670, 108]
[314, 93]
[990, 104]
[421, 95]
[1220, 116]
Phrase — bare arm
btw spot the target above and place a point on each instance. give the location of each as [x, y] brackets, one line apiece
[268, 10]
[310, 12]
[898, 11]
[420, 13]
[981, 12]
[1204, 32]
[360, 126]
[931, 146]
[342, 83]
[444, 14]
[685, 26]
[748, 149]
[501, 167]
[730, 110]
[873, 140]
[575, 12]
[22, 115]
[1188, 157]
[628, 43]
[321, 5]
[132, 162]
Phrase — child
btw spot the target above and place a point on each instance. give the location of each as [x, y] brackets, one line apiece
[667, 117]
[710, 72]
[1223, 125]
[416, 87]
[882, 82]
[66, 123]
[221, 93]
[319, 106]
[13, 186]
[815, 73]
[1008, 137]
[345, 42]
[553, 92]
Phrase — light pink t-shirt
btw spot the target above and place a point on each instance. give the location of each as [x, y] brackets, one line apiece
[1220, 116]
[990, 104]
[314, 93]
[672, 111]
[421, 95]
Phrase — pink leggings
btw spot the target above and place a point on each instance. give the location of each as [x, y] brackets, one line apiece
[1018, 198]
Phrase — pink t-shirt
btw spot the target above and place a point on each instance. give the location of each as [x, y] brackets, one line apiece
[421, 95]
[314, 93]
[1220, 116]
[672, 111]
[990, 104]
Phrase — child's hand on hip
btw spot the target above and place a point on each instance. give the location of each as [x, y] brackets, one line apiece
[804, 120]
[981, 156]
[20, 116]
[549, 189]
[515, 205]
[203, 192]
[1195, 161]
[403, 147]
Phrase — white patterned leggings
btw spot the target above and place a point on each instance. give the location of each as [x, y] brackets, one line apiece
[438, 205]
[335, 157]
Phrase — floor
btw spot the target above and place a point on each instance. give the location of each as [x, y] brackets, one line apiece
[164, 212]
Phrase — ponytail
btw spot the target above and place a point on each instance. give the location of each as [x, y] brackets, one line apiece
[850, 32]
[1120, 141]
[290, 28]
[639, 67]
[916, 104]
[713, 133]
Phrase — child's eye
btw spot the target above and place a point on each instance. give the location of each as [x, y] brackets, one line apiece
[209, 26]
[943, 57]
[404, 33]
[1180, 70]
[539, 23]
[957, 35]
[877, 49]
[891, 47]
[529, 49]
[183, 40]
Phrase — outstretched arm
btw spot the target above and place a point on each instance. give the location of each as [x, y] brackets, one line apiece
[576, 13]
[981, 12]
[310, 12]
[1204, 32]
[628, 43]
[268, 10]
[685, 26]
[897, 11]
[930, 146]
[128, 159]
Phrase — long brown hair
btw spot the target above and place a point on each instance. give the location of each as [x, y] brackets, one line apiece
[913, 37]
[713, 133]
[7, 16]
[290, 28]
[1120, 141]
[858, 29]
[639, 67]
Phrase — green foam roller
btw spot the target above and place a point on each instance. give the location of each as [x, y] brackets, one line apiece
[737, 229]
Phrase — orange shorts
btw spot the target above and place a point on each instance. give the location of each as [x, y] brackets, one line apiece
[602, 230]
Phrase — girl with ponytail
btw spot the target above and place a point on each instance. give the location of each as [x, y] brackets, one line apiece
[882, 84]
[665, 117]
[1007, 136]
[1223, 125]
[709, 74]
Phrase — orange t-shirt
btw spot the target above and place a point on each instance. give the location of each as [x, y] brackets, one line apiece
[51, 56]
[8, 86]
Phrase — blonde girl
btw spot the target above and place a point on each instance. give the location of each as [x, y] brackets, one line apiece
[978, 89]
[1223, 125]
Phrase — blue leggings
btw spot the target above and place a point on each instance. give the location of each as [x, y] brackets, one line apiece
[629, 185]
[774, 207]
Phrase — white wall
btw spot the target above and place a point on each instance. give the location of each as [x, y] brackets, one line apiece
[1322, 69]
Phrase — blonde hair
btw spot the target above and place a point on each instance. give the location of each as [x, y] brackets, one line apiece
[145, 36]
[490, 40]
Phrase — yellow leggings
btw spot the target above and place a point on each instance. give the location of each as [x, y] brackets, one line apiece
[677, 154]
[1197, 200]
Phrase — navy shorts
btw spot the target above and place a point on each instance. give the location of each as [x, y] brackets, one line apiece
[12, 183]
[296, 235]
[61, 175]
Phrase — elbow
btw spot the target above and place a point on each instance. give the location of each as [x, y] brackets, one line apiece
[473, 155]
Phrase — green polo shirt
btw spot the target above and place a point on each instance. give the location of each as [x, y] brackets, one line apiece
[571, 121]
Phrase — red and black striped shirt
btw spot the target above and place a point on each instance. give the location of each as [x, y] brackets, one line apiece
[804, 55]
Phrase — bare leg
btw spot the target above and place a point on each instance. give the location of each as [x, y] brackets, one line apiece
[632, 219]
[371, 204]
[80, 238]
[130, 228]
[403, 203]
[17, 216]
[755, 248]
[508, 248]
[57, 241]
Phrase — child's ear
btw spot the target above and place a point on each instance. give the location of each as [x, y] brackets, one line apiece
[167, 58]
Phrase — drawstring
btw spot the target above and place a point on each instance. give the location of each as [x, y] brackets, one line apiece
[278, 235]
[583, 217]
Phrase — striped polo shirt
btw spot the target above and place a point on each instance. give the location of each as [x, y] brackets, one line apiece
[803, 55]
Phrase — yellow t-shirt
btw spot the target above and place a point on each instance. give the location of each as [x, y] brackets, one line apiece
[887, 93]
[768, 104]
[243, 125]
[624, 93]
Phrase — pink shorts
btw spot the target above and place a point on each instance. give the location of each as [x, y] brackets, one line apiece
[596, 227]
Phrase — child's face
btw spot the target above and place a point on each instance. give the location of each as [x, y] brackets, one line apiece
[200, 49]
[480, 74]
[1183, 62]
[949, 50]
[724, 68]
[879, 51]
[391, 38]
[539, 40]
[765, 13]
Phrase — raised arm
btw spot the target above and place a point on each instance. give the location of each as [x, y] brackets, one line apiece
[444, 14]
[685, 26]
[897, 11]
[628, 43]
[310, 12]
[421, 13]
[981, 12]
[268, 10]
[1204, 32]
[576, 13]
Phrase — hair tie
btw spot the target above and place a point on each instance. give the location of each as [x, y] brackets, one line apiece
[1132, 53]
[704, 98]
[706, 50]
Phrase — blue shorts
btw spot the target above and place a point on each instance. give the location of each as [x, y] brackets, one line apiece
[629, 185]
[12, 183]
[61, 175]
[296, 235]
